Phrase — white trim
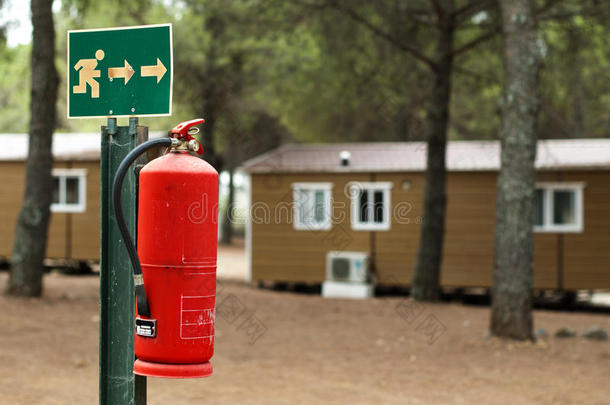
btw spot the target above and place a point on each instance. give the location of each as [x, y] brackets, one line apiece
[125, 27]
[548, 226]
[326, 188]
[81, 176]
[249, 230]
[68, 71]
[171, 61]
[385, 187]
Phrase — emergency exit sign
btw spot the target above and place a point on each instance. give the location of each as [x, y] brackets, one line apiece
[118, 72]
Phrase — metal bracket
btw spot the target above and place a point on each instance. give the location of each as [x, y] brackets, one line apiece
[112, 127]
[133, 124]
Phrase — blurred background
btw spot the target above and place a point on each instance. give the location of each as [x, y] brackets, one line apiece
[396, 113]
[310, 72]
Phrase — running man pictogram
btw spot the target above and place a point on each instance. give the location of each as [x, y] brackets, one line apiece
[87, 73]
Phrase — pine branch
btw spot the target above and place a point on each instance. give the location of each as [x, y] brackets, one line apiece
[383, 34]
[546, 7]
[466, 12]
[470, 9]
[438, 9]
[480, 39]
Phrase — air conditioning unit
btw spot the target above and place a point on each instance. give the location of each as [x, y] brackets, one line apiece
[347, 275]
[350, 267]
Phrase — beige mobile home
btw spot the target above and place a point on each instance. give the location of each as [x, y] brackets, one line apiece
[74, 231]
[308, 200]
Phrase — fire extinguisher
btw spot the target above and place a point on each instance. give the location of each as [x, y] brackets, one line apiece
[175, 263]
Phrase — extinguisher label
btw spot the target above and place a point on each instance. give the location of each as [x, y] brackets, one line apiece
[197, 316]
[146, 327]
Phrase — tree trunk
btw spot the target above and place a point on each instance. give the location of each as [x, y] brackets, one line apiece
[511, 313]
[207, 130]
[210, 96]
[3, 28]
[32, 223]
[227, 223]
[426, 277]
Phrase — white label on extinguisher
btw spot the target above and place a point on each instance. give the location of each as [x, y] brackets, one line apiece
[146, 327]
[196, 316]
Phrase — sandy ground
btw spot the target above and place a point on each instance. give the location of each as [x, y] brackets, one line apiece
[232, 261]
[285, 348]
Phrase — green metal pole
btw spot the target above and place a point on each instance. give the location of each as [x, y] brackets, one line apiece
[117, 382]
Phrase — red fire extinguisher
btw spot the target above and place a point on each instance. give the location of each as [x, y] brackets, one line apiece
[175, 262]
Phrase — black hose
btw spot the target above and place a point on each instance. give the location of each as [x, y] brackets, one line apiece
[117, 190]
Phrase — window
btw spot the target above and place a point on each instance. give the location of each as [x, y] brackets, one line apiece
[69, 190]
[558, 207]
[312, 208]
[370, 206]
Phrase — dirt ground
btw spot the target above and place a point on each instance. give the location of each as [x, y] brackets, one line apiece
[286, 348]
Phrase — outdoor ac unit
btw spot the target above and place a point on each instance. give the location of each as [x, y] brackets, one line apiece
[350, 267]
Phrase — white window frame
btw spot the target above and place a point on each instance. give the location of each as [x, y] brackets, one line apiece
[62, 206]
[313, 186]
[547, 189]
[386, 188]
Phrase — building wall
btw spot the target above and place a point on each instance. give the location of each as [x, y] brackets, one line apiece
[86, 226]
[586, 256]
[71, 235]
[281, 253]
[12, 177]
[568, 260]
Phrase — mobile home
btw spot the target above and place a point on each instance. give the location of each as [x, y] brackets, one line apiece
[74, 231]
[308, 200]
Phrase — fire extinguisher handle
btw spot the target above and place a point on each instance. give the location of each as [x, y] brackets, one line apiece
[117, 190]
[185, 131]
[182, 129]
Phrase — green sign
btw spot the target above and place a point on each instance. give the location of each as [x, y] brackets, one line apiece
[120, 72]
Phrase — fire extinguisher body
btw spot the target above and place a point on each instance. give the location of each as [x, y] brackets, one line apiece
[177, 245]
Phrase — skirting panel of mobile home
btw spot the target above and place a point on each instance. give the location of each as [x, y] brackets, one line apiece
[334, 289]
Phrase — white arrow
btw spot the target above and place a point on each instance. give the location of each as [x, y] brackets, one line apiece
[121, 72]
[157, 70]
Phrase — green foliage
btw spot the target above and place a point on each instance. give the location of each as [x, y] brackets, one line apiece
[312, 74]
[334, 80]
[575, 78]
[477, 82]
[14, 88]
